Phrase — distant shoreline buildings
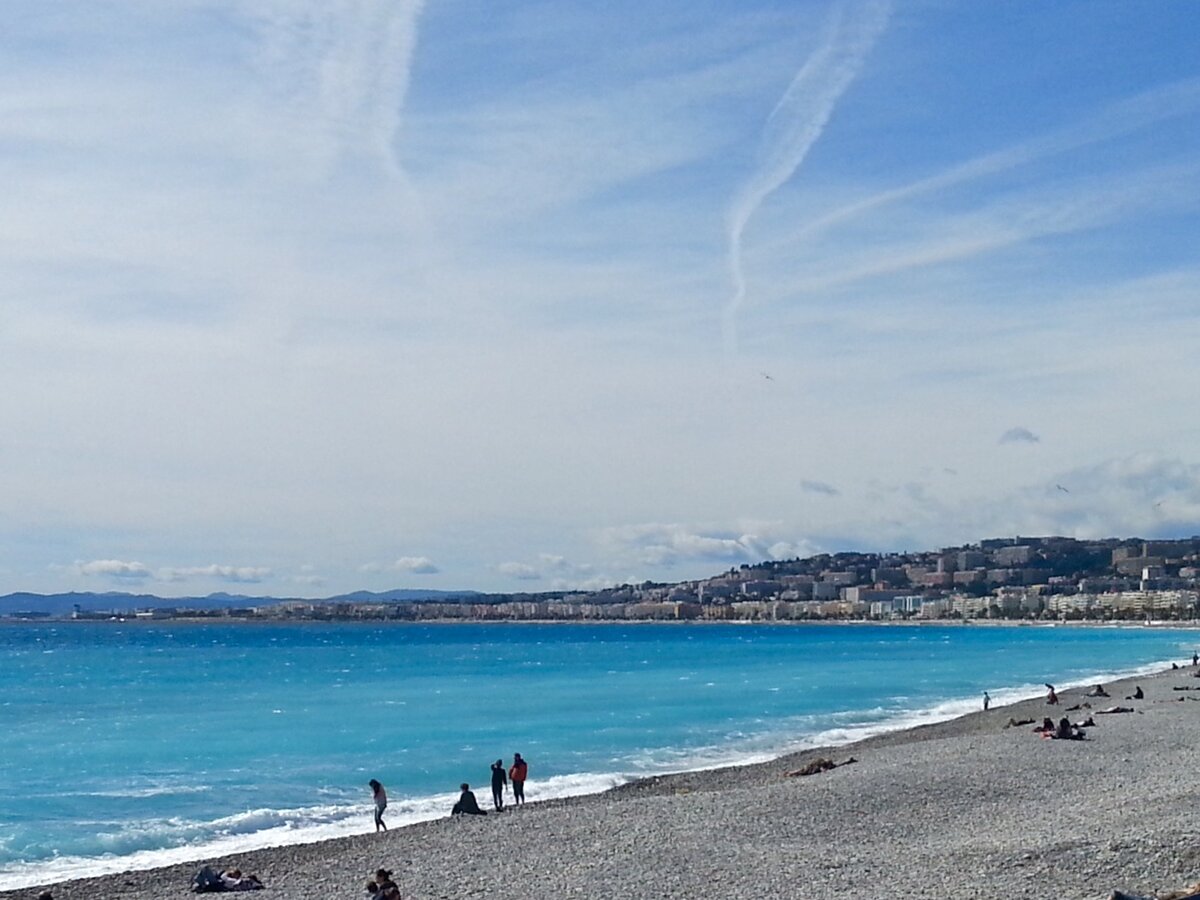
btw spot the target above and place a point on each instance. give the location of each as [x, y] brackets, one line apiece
[1018, 578]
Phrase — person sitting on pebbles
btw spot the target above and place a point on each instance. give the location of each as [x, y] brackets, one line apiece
[1097, 691]
[1066, 731]
[467, 804]
[382, 887]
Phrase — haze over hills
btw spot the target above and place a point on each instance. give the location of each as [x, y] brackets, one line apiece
[122, 601]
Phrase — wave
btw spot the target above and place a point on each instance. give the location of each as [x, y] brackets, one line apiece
[144, 792]
[258, 829]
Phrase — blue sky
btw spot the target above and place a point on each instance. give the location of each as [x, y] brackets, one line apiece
[306, 296]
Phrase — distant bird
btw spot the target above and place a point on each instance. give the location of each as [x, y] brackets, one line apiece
[766, 376]
[1063, 489]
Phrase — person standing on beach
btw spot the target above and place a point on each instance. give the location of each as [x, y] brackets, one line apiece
[517, 773]
[987, 701]
[499, 783]
[380, 797]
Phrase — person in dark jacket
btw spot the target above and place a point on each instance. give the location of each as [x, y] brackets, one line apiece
[467, 804]
[499, 783]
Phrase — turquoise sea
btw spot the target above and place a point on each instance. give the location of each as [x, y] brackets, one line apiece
[137, 744]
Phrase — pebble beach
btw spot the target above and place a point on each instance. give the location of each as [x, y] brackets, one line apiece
[963, 808]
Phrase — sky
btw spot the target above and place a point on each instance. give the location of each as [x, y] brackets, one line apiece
[300, 297]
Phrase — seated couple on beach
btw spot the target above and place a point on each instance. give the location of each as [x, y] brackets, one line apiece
[1063, 731]
[207, 881]
[381, 887]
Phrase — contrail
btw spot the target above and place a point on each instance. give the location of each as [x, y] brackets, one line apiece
[346, 65]
[796, 124]
[1133, 114]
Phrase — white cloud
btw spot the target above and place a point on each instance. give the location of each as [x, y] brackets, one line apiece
[411, 565]
[1147, 494]
[561, 573]
[232, 574]
[115, 568]
[415, 565]
[671, 544]
[136, 571]
[594, 583]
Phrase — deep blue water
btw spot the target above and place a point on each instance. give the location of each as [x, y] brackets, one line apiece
[138, 744]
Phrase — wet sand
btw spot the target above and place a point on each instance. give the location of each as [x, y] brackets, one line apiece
[965, 808]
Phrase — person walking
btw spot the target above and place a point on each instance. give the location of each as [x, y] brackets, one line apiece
[517, 773]
[987, 701]
[380, 797]
[499, 783]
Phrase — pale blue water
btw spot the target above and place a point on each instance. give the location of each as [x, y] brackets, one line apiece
[129, 745]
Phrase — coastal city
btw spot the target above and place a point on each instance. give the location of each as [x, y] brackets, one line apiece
[1047, 578]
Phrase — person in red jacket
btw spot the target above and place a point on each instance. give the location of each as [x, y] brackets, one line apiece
[517, 773]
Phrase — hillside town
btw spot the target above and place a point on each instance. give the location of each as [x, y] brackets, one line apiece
[1054, 578]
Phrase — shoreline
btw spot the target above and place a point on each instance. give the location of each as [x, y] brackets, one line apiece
[824, 740]
[283, 865]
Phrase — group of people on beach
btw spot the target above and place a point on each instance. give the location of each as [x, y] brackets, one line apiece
[515, 775]
[1066, 730]
[381, 886]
